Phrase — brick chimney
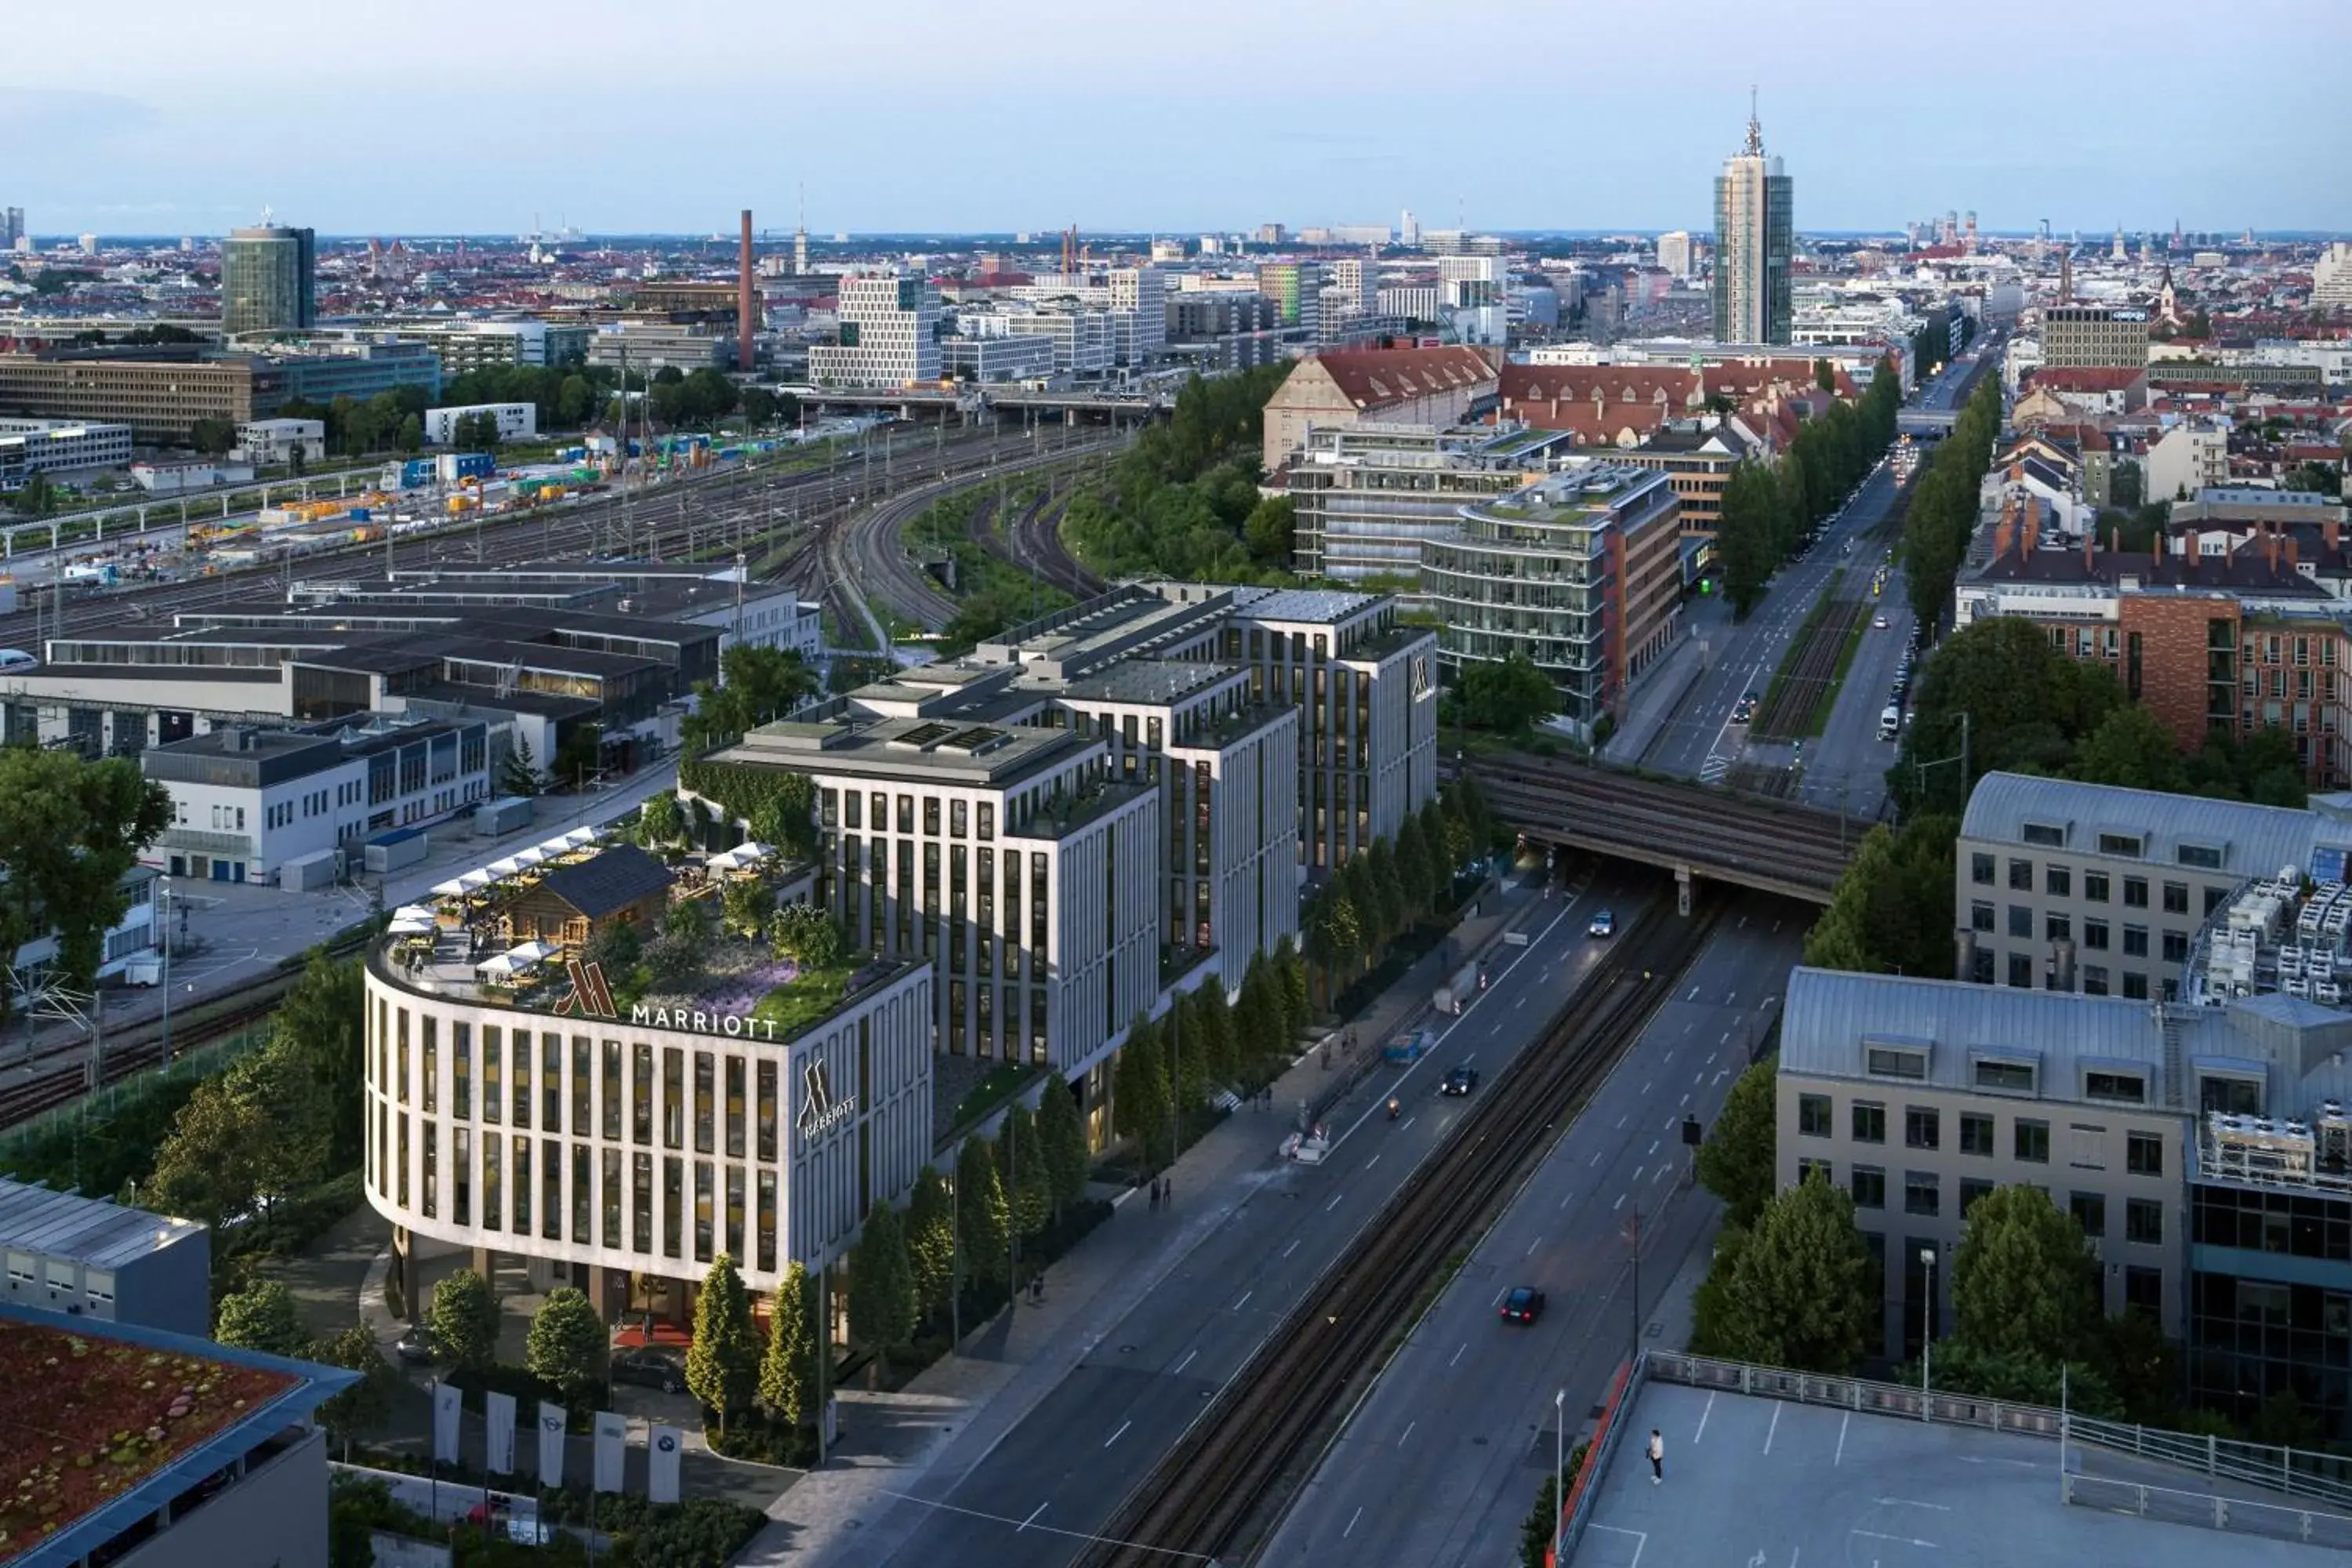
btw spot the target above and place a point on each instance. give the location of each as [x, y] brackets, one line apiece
[2089, 546]
[2329, 529]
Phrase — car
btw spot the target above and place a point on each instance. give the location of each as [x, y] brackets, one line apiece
[414, 1345]
[1461, 1080]
[1743, 711]
[649, 1369]
[1878, 623]
[1523, 1304]
[1603, 925]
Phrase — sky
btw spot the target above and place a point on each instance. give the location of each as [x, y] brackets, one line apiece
[617, 116]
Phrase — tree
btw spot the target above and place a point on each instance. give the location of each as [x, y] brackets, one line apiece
[1542, 1526]
[1417, 873]
[1027, 1182]
[983, 1221]
[758, 407]
[659, 822]
[788, 1363]
[1289, 973]
[69, 831]
[2023, 1280]
[806, 933]
[208, 1167]
[1140, 1093]
[1507, 696]
[568, 1344]
[881, 1287]
[2325, 479]
[1798, 1292]
[1062, 1142]
[1269, 528]
[2130, 748]
[1824, 375]
[464, 1322]
[261, 1317]
[517, 772]
[365, 1404]
[929, 1231]
[2125, 485]
[745, 906]
[1208, 1029]
[1747, 535]
[1735, 1162]
[1336, 937]
[722, 1364]
[2027, 706]
[580, 756]
[1891, 912]
[212, 437]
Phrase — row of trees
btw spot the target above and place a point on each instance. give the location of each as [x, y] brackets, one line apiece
[1942, 516]
[756, 684]
[1169, 1066]
[2022, 704]
[1385, 891]
[1505, 697]
[69, 831]
[1769, 507]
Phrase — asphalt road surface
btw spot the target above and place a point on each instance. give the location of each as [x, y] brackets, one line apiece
[1441, 1462]
[1069, 1463]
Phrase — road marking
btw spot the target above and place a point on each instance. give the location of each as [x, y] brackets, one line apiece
[1370, 1162]
[1637, 1174]
[1905, 1540]
[1618, 1204]
[1533, 1245]
[1407, 1432]
[1839, 1458]
[1641, 1538]
[1244, 1300]
[1727, 1000]
[1703, 1415]
[1457, 1354]
[1351, 1524]
[1292, 1247]
[1334, 1203]
[1646, 1087]
[1770, 1430]
[1031, 1520]
[1117, 1435]
[1913, 1503]
[1726, 1040]
[1596, 1157]
[1408, 1121]
[1653, 1145]
[1662, 1169]
[1693, 994]
[1620, 1122]
[1520, 1003]
[1686, 1097]
[1700, 1078]
[1180, 1365]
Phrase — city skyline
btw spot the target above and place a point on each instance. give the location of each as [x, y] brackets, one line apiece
[130, 145]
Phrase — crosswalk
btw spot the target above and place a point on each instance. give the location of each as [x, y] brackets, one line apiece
[1712, 770]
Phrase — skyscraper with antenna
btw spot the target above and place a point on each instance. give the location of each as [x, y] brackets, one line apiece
[1754, 295]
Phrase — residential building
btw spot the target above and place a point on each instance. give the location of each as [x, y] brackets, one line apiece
[2185, 461]
[1580, 571]
[2093, 337]
[1697, 460]
[1754, 240]
[2331, 277]
[1355, 280]
[889, 337]
[245, 800]
[517, 421]
[622, 1154]
[1440, 386]
[269, 280]
[1675, 253]
[268, 443]
[29, 446]
[2084, 390]
[1466, 282]
[94, 1259]
[1218, 331]
[1369, 497]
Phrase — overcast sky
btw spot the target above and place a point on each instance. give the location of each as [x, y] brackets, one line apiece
[442, 116]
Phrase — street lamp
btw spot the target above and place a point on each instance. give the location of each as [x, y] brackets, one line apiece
[1927, 1333]
[1559, 1466]
[164, 893]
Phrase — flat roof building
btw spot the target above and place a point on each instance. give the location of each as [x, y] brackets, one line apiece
[90, 1259]
[1369, 497]
[269, 280]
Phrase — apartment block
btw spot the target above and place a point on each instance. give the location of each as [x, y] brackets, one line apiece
[889, 334]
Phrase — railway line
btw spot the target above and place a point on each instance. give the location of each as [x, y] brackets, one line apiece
[1789, 712]
[1214, 1492]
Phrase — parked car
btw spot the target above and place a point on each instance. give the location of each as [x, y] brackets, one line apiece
[649, 1369]
[1878, 623]
[1461, 1080]
[1525, 1304]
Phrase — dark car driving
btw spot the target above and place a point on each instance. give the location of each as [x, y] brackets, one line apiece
[649, 1369]
[1461, 1080]
[1525, 1304]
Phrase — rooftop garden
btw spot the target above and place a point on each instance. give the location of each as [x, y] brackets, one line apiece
[106, 1417]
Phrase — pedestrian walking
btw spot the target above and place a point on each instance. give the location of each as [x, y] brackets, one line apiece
[1168, 1191]
[1657, 1458]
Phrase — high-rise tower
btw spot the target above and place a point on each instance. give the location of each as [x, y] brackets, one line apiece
[269, 280]
[1753, 239]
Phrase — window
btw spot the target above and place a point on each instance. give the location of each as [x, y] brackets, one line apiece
[2176, 947]
[1980, 916]
[1892, 1061]
[2233, 1096]
[2057, 928]
[1807, 1169]
[2144, 1153]
[2095, 935]
[2047, 834]
[2057, 881]
[1970, 1191]
[2021, 876]
[1976, 1134]
[2020, 922]
[2204, 856]
[2143, 1221]
[2176, 897]
[2134, 986]
[2090, 1212]
[2021, 970]
[2122, 1087]
[2030, 1141]
[2144, 1291]
[2090, 1146]
[1980, 869]
[1922, 1127]
[1813, 1115]
[1869, 1187]
[2134, 942]
[2095, 980]
[1923, 1193]
[1869, 1122]
[2006, 1077]
[2135, 892]
[2095, 887]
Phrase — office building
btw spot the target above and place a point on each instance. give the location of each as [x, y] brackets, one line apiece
[516, 421]
[1296, 290]
[889, 336]
[271, 442]
[1467, 282]
[1697, 460]
[1675, 253]
[1355, 280]
[29, 446]
[1580, 571]
[1440, 386]
[477, 346]
[1754, 240]
[1083, 342]
[619, 1149]
[1026, 357]
[1368, 498]
[269, 280]
[95, 1260]
[2331, 277]
[2093, 337]
[12, 227]
[1134, 299]
[246, 801]
[644, 346]
[158, 399]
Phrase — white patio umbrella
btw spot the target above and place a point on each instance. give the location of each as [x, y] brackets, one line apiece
[412, 928]
[412, 913]
[579, 837]
[531, 856]
[476, 879]
[532, 952]
[510, 866]
[453, 888]
[555, 847]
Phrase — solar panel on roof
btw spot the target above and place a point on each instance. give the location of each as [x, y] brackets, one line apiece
[924, 735]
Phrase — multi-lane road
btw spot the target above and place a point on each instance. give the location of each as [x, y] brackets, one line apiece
[1440, 1461]
[1069, 1461]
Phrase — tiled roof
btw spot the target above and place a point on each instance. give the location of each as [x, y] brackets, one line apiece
[2087, 378]
[1375, 378]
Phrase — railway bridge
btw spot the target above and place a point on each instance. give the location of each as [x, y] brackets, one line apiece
[1693, 830]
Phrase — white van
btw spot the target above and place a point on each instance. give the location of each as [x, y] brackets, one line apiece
[16, 659]
[1890, 722]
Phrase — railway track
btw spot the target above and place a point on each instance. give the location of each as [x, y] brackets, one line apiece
[1789, 715]
[1217, 1489]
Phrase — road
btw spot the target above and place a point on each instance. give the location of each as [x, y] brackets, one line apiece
[1069, 1461]
[1440, 1462]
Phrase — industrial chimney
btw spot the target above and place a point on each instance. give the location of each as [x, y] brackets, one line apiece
[746, 318]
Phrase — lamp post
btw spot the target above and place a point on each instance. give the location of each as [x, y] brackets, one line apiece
[165, 894]
[1926, 1332]
[1559, 1466]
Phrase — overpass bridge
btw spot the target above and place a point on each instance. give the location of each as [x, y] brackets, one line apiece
[1692, 830]
[977, 404]
[1926, 421]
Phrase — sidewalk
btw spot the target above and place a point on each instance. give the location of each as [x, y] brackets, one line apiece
[955, 1412]
[1651, 706]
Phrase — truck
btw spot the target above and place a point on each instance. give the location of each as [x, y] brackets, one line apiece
[1409, 1046]
[1460, 988]
[1890, 721]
